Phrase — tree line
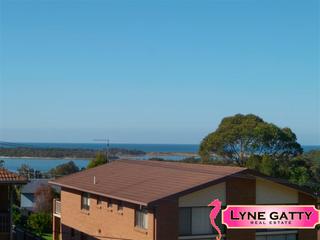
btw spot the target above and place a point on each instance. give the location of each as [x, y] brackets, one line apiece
[63, 152]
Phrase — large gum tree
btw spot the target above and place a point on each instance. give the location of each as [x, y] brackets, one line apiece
[240, 137]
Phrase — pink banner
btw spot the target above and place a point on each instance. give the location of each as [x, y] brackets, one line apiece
[276, 216]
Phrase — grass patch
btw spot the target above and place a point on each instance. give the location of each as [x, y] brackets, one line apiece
[47, 236]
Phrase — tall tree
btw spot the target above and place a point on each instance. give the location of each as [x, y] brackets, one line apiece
[101, 158]
[64, 169]
[240, 137]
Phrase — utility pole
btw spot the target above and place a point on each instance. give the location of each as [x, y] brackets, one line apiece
[107, 149]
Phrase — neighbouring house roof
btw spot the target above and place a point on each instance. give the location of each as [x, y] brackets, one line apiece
[8, 177]
[144, 182]
[33, 185]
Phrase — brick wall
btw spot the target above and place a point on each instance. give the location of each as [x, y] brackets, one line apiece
[241, 191]
[167, 220]
[309, 234]
[100, 221]
[163, 219]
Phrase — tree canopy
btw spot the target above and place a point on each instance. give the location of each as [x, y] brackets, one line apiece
[247, 140]
[240, 137]
[305, 170]
[64, 169]
[101, 158]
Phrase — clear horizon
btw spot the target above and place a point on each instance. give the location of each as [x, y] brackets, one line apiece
[156, 72]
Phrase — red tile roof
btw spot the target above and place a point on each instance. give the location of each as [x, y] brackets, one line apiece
[144, 182]
[10, 177]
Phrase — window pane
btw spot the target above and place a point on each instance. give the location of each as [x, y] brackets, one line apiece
[145, 219]
[261, 238]
[201, 221]
[109, 204]
[277, 237]
[88, 199]
[185, 221]
[120, 206]
[85, 201]
[141, 218]
[291, 237]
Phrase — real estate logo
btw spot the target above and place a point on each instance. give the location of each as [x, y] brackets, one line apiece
[264, 216]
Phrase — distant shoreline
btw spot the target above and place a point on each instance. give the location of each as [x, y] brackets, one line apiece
[151, 154]
[43, 158]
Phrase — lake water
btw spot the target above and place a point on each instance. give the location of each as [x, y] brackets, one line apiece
[41, 164]
[189, 148]
[45, 164]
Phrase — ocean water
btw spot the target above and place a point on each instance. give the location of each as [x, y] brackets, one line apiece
[308, 148]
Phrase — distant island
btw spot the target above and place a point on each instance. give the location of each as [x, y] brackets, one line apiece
[64, 152]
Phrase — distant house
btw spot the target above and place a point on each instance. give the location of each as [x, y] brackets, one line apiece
[154, 200]
[7, 181]
[28, 191]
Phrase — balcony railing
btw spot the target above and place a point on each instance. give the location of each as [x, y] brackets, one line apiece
[56, 207]
[4, 222]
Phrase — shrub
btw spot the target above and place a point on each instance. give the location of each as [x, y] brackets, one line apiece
[40, 223]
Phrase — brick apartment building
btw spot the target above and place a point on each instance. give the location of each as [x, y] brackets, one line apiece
[154, 200]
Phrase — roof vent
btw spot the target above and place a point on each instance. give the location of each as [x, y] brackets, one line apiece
[94, 180]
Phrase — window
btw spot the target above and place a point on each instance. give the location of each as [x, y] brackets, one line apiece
[196, 221]
[185, 221]
[109, 203]
[141, 218]
[275, 235]
[85, 201]
[278, 237]
[201, 221]
[120, 206]
[99, 200]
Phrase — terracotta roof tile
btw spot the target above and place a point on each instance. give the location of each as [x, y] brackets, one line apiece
[144, 182]
[10, 177]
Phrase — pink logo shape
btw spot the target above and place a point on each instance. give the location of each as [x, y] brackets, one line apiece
[216, 204]
[272, 216]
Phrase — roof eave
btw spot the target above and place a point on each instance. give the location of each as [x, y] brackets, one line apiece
[99, 194]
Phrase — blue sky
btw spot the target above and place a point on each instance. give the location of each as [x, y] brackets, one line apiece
[156, 71]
